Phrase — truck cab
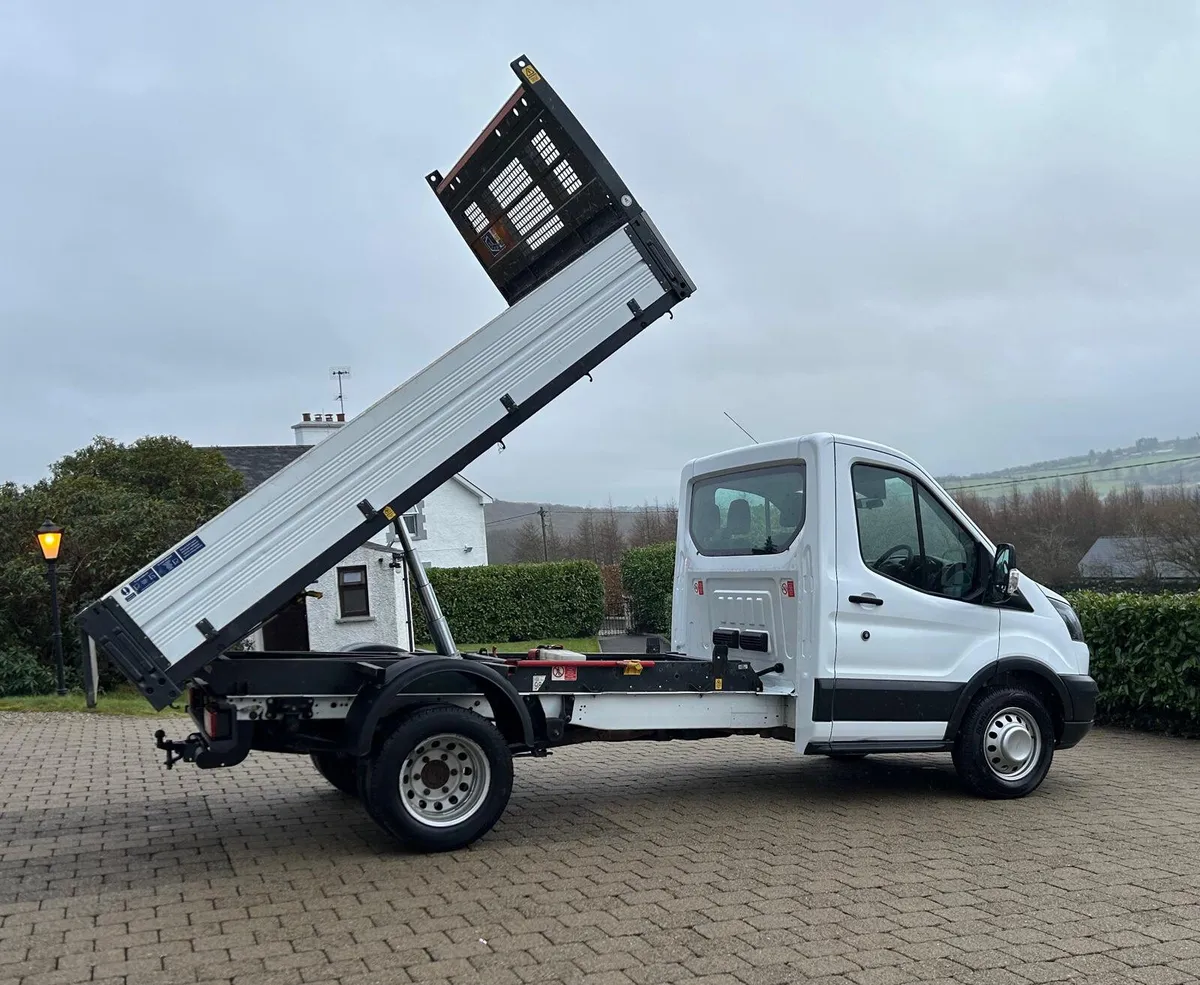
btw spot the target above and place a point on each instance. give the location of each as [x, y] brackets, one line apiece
[843, 570]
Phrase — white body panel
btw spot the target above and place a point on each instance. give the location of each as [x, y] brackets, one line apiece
[617, 712]
[914, 635]
[265, 537]
[608, 712]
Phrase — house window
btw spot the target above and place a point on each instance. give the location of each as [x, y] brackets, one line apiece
[414, 520]
[352, 591]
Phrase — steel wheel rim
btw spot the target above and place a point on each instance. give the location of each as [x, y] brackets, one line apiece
[1012, 744]
[444, 780]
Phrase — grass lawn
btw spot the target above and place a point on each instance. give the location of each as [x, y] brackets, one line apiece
[590, 644]
[121, 701]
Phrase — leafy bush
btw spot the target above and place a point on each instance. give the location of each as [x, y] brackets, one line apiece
[21, 673]
[1145, 658]
[516, 602]
[648, 576]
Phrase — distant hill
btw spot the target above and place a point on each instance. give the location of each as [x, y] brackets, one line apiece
[1149, 462]
[506, 518]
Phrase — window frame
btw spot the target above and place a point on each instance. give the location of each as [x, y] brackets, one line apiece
[342, 588]
[917, 486]
[417, 512]
[799, 464]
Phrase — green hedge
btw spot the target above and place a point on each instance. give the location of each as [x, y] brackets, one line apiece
[21, 673]
[1145, 658]
[516, 602]
[648, 576]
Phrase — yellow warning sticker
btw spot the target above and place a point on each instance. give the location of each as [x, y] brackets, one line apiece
[633, 667]
[719, 682]
[389, 513]
[531, 73]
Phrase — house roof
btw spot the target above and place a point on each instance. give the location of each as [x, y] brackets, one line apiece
[1127, 557]
[257, 463]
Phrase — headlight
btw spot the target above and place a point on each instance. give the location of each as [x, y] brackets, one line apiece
[1069, 616]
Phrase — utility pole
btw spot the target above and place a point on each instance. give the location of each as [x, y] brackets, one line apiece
[545, 550]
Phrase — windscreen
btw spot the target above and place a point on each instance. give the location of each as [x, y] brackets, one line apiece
[754, 511]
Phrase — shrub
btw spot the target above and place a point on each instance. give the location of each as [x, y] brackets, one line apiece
[508, 603]
[21, 673]
[1145, 658]
[648, 574]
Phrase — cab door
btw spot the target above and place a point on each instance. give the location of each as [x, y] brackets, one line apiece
[911, 627]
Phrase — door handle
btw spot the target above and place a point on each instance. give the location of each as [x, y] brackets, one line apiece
[866, 600]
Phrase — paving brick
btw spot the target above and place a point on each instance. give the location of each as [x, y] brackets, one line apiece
[605, 871]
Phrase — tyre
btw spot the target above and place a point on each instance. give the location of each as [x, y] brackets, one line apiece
[341, 771]
[440, 780]
[1005, 744]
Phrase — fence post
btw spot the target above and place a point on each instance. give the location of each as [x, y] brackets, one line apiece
[91, 674]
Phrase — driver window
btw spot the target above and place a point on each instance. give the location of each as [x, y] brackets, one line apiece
[888, 537]
[906, 535]
[951, 555]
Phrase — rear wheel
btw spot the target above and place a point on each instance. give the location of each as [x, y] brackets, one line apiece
[1005, 744]
[339, 770]
[440, 780]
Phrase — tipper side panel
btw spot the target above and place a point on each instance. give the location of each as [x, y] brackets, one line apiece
[584, 279]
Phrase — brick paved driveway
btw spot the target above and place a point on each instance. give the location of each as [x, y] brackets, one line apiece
[716, 862]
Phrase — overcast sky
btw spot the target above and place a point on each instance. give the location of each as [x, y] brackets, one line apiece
[971, 230]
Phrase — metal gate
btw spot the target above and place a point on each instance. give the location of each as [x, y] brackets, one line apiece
[618, 618]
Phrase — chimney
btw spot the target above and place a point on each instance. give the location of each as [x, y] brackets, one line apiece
[316, 427]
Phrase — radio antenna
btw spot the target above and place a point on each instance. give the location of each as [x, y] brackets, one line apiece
[740, 428]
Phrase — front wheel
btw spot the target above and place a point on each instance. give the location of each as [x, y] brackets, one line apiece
[1005, 744]
[440, 780]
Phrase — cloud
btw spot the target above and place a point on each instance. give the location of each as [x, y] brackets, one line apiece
[968, 231]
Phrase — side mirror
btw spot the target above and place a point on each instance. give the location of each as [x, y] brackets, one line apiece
[1002, 581]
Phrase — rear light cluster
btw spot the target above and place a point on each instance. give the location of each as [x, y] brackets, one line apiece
[217, 720]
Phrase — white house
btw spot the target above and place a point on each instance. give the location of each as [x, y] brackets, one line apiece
[366, 598]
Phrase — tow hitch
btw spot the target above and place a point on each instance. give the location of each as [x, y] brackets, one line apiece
[185, 749]
[205, 752]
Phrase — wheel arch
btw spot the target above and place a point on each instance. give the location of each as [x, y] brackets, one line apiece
[1024, 671]
[381, 700]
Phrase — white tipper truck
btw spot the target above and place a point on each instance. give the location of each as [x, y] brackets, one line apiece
[828, 592]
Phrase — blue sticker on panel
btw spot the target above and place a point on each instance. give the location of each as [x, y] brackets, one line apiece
[168, 564]
[144, 581]
[190, 548]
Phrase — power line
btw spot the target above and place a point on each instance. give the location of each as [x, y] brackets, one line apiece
[1021, 480]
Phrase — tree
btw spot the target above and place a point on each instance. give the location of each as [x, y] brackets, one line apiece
[527, 546]
[610, 541]
[655, 524]
[121, 506]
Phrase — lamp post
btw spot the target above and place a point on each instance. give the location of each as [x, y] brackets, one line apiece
[49, 537]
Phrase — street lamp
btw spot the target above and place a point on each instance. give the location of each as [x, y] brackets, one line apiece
[49, 537]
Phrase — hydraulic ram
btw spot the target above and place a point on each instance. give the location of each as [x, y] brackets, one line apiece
[583, 270]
